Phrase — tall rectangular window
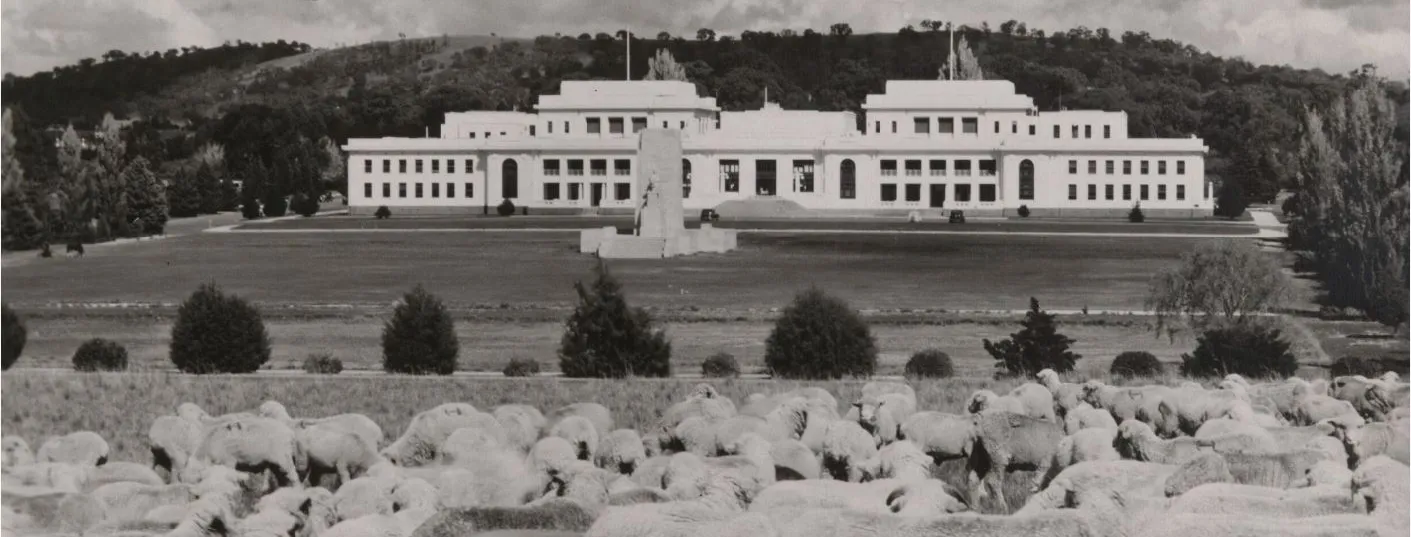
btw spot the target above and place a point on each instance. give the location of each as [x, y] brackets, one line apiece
[1180, 192]
[435, 165]
[470, 165]
[1014, 127]
[435, 190]
[598, 166]
[970, 125]
[877, 127]
[913, 168]
[575, 167]
[938, 166]
[418, 165]
[450, 165]
[987, 193]
[1092, 192]
[1144, 193]
[1087, 131]
[1055, 131]
[1146, 168]
[1107, 131]
[595, 125]
[469, 190]
[1092, 167]
[1160, 192]
[565, 128]
[913, 192]
[889, 168]
[1126, 167]
[889, 192]
[531, 130]
[730, 175]
[921, 125]
[401, 190]
[551, 167]
[418, 190]
[367, 165]
[962, 192]
[639, 124]
[894, 127]
[1072, 192]
[996, 127]
[386, 165]
[450, 190]
[551, 191]
[1110, 167]
[1075, 132]
[1072, 166]
[622, 191]
[401, 165]
[945, 125]
[1127, 192]
[1160, 167]
[575, 191]
[622, 166]
[1180, 167]
[614, 125]
[803, 175]
[550, 124]
[1111, 192]
[1033, 130]
[765, 177]
[386, 190]
[367, 190]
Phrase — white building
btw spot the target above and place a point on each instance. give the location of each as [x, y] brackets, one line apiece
[929, 145]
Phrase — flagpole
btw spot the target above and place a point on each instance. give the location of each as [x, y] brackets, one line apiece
[629, 55]
[950, 62]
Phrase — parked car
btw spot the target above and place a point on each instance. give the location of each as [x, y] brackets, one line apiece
[709, 215]
[957, 217]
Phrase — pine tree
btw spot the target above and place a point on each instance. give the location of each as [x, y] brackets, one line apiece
[146, 196]
[820, 337]
[969, 64]
[420, 338]
[1036, 347]
[606, 338]
[664, 67]
[24, 229]
[207, 187]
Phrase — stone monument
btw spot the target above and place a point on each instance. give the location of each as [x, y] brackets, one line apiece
[659, 228]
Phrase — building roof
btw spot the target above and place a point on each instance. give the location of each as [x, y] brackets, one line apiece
[626, 95]
[948, 95]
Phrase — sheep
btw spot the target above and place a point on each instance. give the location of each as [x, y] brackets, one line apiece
[173, 440]
[942, 436]
[1372, 399]
[898, 460]
[130, 502]
[247, 444]
[650, 473]
[367, 495]
[493, 475]
[597, 414]
[1140, 402]
[120, 472]
[551, 453]
[1382, 484]
[621, 451]
[421, 443]
[1137, 441]
[1310, 407]
[583, 483]
[48, 476]
[16, 452]
[788, 419]
[704, 401]
[723, 501]
[759, 405]
[793, 460]
[1006, 442]
[1366, 441]
[400, 524]
[84, 448]
[883, 414]
[879, 387]
[580, 432]
[1279, 470]
[1102, 515]
[1028, 399]
[1066, 395]
[205, 518]
[926, 496]
[555, 515]
[357, 424]
[1134, 479]
[331, 450]
[521, 423]
[1254, 500]
[1236, 435]
[1086, 445]
[845, 444]
[1184, 410]
[1084, 416]
[275, 522]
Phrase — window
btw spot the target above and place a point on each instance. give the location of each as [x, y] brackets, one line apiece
[894, 127]
[471, 135]
[450, 190]
[889, 168]
[367, 166]
[1072, 166]
[1110, 167]
[367, 190]
[1107, 131]
[664, 125]
[598, 166]
[1205, 190]
[386, 165]
[987, 193]
[1180, 167]
[730, 175]
[469, 165]
[889, 192]
[913, 192]
[1146, 168]
[1026, 180]
[1160, 167]
[1092, 167]
[1127, 192]
[435, 190]
[1092, 192]
[683, 125]
[1014, 127]
[595, 125]
[575, 167]
[938, 167]
[622, 166]
[969, 125]
[1075, 132]
[803, 176]
[435, 166]
[1110, 190]
[1055, 131]
[921, 125]
[1180, 192]
[386, 190]
[1144, 193]
[551, 167]
[945, 125]
[847, 180]
[469, 190]
[639, 124]
[764, 177]
[913, 168]
[685, 178]
[450, 165]
[575, 191]
[401, 165]
[1087, 131]
[622, 191]
[1072, 192]
[531, 130]
[1160, 192]
[565, 127]
[418, 165]
[996, 127]
[962, 193]
[551, 127]
[962, 168]
[877, 127]
[418, 190]
[509, 179]
[1033, 130]
[1126, 167]
[401, 190]
[614, 125]
[987, 168]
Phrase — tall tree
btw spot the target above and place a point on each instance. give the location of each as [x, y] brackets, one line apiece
[967, 65]
[664, 67]
[1036, 347]
[146, 197]
[335, 173]
[77, 198]
[109, 191]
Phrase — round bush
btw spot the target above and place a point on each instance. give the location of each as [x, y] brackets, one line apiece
[719, 366]
[304, 205]
[14, 334]
[1135, 215]
[99, 354]
[1136, 364]
[218, 333]
[820, 337]
[322, 364]
[1023, 211]
[420, 338]
[1253, 351]
[521, 367]
[505, 208]
[930, 364]
[276, 206]
[383, 213]
[1369, 367]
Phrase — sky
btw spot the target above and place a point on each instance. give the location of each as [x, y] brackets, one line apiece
[1335, 35]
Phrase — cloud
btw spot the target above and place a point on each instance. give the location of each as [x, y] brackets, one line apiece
[1335, 35]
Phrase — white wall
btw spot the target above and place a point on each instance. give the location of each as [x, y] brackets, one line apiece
[358, 178]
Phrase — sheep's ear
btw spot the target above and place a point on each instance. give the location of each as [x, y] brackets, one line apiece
[218, 526]
[306, 506]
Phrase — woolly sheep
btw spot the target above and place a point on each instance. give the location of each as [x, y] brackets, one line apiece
[272, 523]
[357, 424]
[820, 400]
[494, 475]
[704, 401]
[1086, 445]
[788, 419]
[333, 451]
[1093, 520]
[83, 448]
[580, 432]
[1134, 479]
[522, 424]
[1372, 399]
[247, 444]
[941, 435]
[1279, 470]
[1254, 500]
[881, 415]
[599, 415]
[1310, 408]
[48, 476]
[650, 473]
[1185, 410]
[583, 483]
[1066, 395]
[845, 444]
[121, 472]
[400, 524]
[933, 497]
[363, 496]
[1027, 400]
[130, 502]
[1005, 442]
[1137, 441]
[1084, 416]
[1367, 441]
[621, 451]
[173, 440]
[421, 443]
[723, 501]
[16, 452]
[793, 460]
[414, 493]
[556, 515]
[898, 460]
[204, 519]
[551, 453]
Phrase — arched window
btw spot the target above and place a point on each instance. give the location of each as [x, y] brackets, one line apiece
[847, 189]
[509, 179]
[685, 178]
[1026, 180]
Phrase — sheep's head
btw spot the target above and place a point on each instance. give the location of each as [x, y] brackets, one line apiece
[1092, 393]
[1049, 378]
[1381, 481]
[414, 494]
[1378, 398]
[16, 452]
[749, 445]
[1168, 422]
[792, 415]
[929, 497]
[191, 412]
[1204, 468]
[979, 401]
[1390, 376]
[274, 410]
[704, 391]
[1235, 378]
[1326, 473]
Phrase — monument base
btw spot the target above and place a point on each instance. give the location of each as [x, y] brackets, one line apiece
[607, 244]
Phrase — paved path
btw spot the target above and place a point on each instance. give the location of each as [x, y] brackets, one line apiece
[175, 227]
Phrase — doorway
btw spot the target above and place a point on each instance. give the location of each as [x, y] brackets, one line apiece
[938, 196]
[765, 174]
[595, 196]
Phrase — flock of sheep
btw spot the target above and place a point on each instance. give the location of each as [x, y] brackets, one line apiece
[1257, 459]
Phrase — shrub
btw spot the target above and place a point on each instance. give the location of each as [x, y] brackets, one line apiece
[322, 364]
[218, 333]
[1251, 350]
[1136, 364]
[382, 213]
[23, 225]
[1023, 211]
[1037, 347]
[14, 334]
[820, 337]
[420, 338]
[304, 205]
[1230, 201]
[606, 338]
[1370, 367]
[276, 206]
[250, 204]
[1135, 215]
[229, 196]
[929, 364]
[505, 208]
[520, 367]
[720, 365]
[183, 198]
[99, 354]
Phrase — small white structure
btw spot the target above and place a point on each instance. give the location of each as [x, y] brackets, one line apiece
[924, 146]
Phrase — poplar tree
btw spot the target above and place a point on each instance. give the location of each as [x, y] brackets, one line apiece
[664, 67]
